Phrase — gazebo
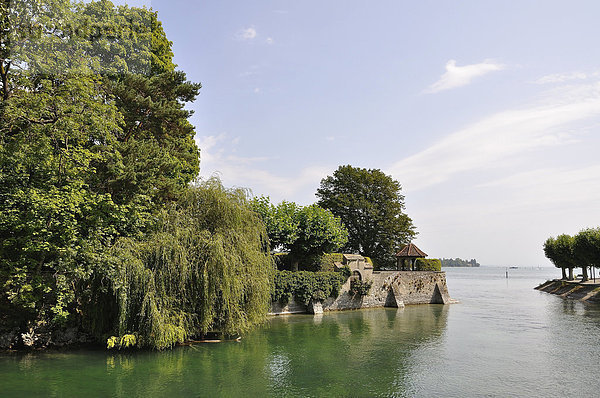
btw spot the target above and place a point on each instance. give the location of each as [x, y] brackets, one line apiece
[409, 252]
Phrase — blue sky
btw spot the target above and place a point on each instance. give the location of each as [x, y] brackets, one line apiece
[487, 112]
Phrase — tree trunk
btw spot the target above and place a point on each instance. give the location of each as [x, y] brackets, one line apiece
[564, 273]
[585, 273]
[571, 274]
[295, 265]
[4, 77]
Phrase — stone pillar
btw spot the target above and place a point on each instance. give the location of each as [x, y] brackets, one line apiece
[394, 298]
[315, 307]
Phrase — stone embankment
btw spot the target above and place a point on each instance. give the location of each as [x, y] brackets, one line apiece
[576, 290]
[389, 289]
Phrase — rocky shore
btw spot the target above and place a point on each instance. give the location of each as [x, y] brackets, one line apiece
[42, 338]
[576, 290]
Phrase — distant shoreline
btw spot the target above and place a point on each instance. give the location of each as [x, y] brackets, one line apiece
[459, 262]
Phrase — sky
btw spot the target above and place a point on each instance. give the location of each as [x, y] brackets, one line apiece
[487, 112]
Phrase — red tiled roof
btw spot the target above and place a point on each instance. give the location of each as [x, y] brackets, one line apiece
[411, 250]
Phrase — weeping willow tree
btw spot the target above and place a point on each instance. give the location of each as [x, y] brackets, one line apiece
[203, 270]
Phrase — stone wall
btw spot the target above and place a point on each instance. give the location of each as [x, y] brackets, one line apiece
[389, 289]
[576, 290]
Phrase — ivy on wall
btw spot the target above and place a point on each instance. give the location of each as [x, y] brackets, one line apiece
[304, 286]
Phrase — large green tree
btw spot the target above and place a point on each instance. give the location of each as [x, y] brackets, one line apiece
[550, 252]
[586, 249]
[202, 270]
[559, 250]
[306, 232]
[94, 142]
[371, 206]
[281, 221]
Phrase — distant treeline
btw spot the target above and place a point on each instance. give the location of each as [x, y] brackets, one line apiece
[459, 262]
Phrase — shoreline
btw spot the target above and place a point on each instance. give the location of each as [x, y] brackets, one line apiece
[588, 291]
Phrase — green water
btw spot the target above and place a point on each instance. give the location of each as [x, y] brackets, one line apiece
[503, 339]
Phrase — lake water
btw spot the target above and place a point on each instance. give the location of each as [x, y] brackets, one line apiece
[503, 339]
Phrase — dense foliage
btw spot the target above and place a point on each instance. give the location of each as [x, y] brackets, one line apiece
[371, 206]
[100, 228]
[202, 270]
[325, 262]
[359, 287]
[305, 286]
[586, 249]
[305, 232]
[579, 251]
[459, 262]
[559, 250]
[428, 264]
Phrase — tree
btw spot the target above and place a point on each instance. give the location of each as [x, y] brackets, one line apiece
[551, 254]
[371, 206]
[560, 252]
[94, 144]
[319, 232]
[305, 231]
[158, 156]
[203, 269]
[54, 132]
[281, 221]
[586, 249]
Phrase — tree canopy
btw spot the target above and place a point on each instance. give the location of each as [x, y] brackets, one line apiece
[586, 249]
[371, 206]
[579, 251]
[559, 250]
[101, 228]
[303, 231]
[201, 270]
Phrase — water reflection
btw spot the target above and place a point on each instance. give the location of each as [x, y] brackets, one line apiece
[503, 340]
[358, 353]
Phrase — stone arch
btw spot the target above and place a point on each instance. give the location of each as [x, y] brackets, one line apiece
[356, 275]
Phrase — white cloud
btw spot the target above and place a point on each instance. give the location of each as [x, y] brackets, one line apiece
[213, 151]
[251, 172]
[247, 34]
[501, 136]
[564, 77]
[270, 40]
[457, 76]
[551, 186]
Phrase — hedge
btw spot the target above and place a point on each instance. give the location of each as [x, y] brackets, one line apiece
[428, 264]
[304, 286]
[324, 262]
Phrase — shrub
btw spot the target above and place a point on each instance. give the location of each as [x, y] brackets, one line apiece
[346, 272]
[126, 341]
[361, 288]
[304, 286]
[428, 264]
[324, 262]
